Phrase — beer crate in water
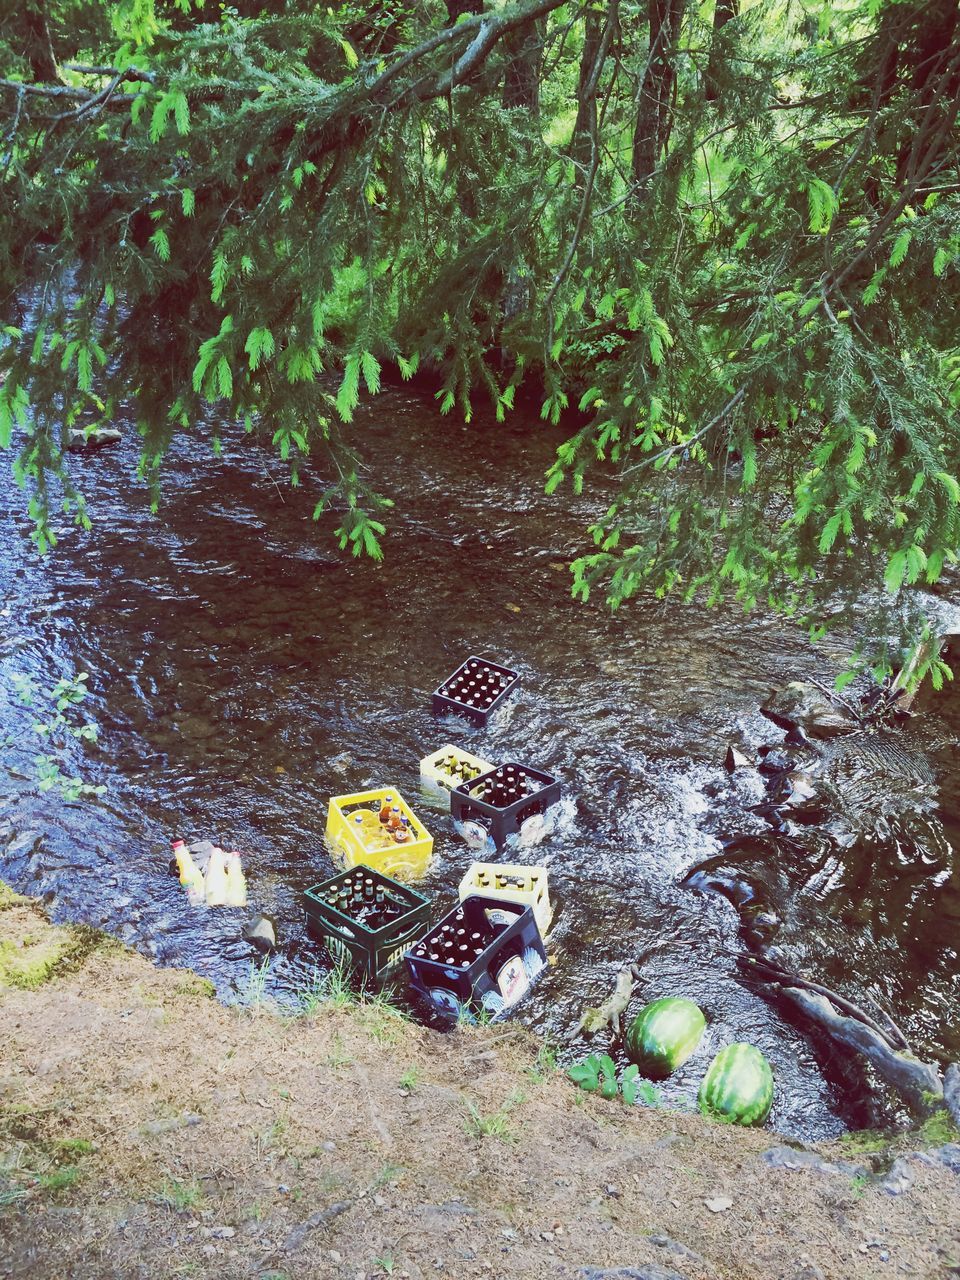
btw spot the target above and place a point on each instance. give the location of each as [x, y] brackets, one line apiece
[497, 804]
[475, 690]
[482, 958]
[354, 831]
[448, 767]
[354, 932]
[513, 883]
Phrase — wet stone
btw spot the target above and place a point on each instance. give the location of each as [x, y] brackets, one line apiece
[899, 1179]
[649, 1272]
[789, 1158]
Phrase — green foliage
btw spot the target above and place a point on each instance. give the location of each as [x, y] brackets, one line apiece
[58, 724]
[597, 1073]
[267, 206]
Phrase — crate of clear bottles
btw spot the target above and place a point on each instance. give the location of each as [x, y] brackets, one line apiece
[475, 690]
[447, 768]
[366, 920]
[379, 829]
[501, 803]
[478, 961]
[512, 883]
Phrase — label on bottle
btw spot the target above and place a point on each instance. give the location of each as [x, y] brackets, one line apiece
[512, 980]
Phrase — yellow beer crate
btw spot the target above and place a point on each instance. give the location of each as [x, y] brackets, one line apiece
[434, 770]
[513, 883]
[365, 843]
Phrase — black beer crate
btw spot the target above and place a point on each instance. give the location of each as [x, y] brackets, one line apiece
[512, 958]
[503, 817]
[375, 953]
[454, 696]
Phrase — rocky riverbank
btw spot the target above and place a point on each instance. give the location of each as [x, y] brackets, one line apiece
[146, 1130]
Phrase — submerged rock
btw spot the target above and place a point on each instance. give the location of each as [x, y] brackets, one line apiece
[951, 1092]
[261, 933]
[802, 706]
[90, 441]
[735, 759]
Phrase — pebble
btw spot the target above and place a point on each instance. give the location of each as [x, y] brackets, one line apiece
[334, 1256]
[328, 1145]
[719, 1204]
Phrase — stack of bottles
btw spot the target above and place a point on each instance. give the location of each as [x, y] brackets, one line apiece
[476, 684]
[505, 786]
[455, 944]
[365, 901]
[223, 885]
[457, 770]
[482, 957]
[380, 826]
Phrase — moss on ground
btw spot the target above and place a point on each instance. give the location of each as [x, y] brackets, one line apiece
[33, 950]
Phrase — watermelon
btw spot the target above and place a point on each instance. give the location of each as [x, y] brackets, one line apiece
[664, 1034]
[738, 1086]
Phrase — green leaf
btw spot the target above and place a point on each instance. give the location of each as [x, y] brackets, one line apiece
[188, 202]
[940, 260]
[224, 377]
[900, 247]
[219, 275]
[829, 535]
[949, 483]
[371, 372]
[181, 112]
[259, 346]
[161, 244]
[348, 396]
[896, 572]
[822, 203]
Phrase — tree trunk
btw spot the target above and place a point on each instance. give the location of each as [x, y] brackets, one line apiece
[656, 92]
[521, 81]
[586, 122]
[722, 14]
[38, 47]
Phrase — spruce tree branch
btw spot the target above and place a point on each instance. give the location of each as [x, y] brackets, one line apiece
[685, 444]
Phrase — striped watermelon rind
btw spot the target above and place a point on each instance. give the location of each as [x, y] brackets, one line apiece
[664, 1034]
[738, 1086]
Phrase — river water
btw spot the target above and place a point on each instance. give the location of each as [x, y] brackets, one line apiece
[242, 671]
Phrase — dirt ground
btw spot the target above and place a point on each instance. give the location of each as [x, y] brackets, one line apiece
[148, 1131]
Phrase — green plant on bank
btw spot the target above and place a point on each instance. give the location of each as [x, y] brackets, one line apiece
[10, 1195]
[858, 1184]
[180, 1196]
[939, 1129]
[410, 1079]
[863, 1141]
[253, 995]
[58, 723]
[545, 1063]
[597, 1073]
[386, 1262]
[76, 1146]
[60, 1179]
[497, 1123]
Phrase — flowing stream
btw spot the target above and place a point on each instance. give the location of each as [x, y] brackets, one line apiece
[242, 671]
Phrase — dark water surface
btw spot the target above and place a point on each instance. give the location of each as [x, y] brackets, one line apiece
[242, 672]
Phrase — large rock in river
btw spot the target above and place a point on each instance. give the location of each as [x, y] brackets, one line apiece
[803, 706]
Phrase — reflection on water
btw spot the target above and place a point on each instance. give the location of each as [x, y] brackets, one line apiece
[241, 673]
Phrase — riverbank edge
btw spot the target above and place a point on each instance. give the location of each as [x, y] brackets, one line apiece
[142, 1124]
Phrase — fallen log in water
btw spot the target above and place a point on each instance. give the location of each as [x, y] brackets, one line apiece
[917, 1082]
[888, 1052]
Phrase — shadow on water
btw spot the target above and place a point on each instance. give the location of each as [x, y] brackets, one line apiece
[242, 672]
